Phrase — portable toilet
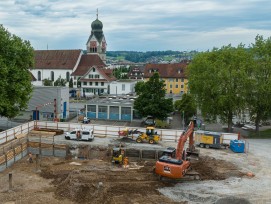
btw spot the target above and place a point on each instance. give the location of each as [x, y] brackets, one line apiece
[237, 146]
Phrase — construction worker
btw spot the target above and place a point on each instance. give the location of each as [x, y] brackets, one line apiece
[30, 157]
[125, 162]
[78, 135]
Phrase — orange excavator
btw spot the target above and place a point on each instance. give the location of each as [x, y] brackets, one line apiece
[175, 163]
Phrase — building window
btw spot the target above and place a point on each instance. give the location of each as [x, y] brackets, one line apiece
[85, 83]
[182, 79]
[74, 83]
[97, 76]
[182, 86]
[96, 83]
[176, 86]
[67, 76]
[52, 76]
[39, 76]
[93, 69]
[102, 83]
[176, 80]
[170, 85]
[90, 83]
[123, 87]
[74, 77]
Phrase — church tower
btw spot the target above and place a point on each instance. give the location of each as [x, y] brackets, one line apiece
[96, 43]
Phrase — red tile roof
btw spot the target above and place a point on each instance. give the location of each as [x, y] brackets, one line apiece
[86, 62]
[56, 59]
[176, 70]
[108, 74]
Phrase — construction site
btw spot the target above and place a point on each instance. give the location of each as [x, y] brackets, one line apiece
[72, 171]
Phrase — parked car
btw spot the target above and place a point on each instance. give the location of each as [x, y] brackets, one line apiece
[149, 121]
[80, 134]
[249, 127]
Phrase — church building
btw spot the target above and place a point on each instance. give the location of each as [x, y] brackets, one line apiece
[85, 69]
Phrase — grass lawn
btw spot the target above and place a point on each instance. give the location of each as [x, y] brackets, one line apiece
[265, 134]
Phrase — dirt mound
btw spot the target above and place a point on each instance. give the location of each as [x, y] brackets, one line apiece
[114, 185]
[214, 169]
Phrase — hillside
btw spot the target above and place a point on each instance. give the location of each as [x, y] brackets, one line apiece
[151, 56]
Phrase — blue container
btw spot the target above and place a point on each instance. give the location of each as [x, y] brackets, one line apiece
[237, 146]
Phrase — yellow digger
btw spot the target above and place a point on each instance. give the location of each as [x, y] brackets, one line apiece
[150, 136]
[117, 155]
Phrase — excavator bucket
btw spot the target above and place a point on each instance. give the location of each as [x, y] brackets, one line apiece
[194, 155]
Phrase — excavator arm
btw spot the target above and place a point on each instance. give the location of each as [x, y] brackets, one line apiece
[182, 140]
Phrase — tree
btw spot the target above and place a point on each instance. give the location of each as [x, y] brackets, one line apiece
[16, 57]
[71, 83]
[258, 93]
[47, 82]
[187, 106]
[218, 80]
[151, 98]
[60, 82]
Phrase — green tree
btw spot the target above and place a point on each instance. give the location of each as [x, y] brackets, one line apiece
[259, 84]
[217, 80]
[47, 82]
[60, 82]
[151, 98]
[16, 57]
[187, 106]
[71, 83]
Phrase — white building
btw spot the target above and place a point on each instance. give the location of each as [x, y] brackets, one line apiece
[124, 86]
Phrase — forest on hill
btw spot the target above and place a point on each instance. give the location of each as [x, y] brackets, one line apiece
[150, 56]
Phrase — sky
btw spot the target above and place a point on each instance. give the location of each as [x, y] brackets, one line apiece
[138, 25]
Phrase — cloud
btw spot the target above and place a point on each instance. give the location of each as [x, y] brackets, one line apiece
[138, 25]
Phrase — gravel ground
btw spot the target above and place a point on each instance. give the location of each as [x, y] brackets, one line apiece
[254, 189]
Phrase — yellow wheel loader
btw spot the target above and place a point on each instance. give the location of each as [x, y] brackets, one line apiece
[150, 136]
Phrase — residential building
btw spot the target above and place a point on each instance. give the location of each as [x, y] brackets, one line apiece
[94, 80]
[136, 72]
[173, 74]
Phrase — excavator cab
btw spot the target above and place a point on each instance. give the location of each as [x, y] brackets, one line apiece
[150, 136]
[170, 152]
[117, 155]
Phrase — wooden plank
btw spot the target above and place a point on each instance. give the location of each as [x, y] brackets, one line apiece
[24, 146]
[33, 144]
[60, 146]
[41, 133]
[2, 159]
[10, 154]
[22, 135]
[18, 150]
[45, 145]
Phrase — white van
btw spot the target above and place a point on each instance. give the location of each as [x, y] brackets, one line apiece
[80, 134]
